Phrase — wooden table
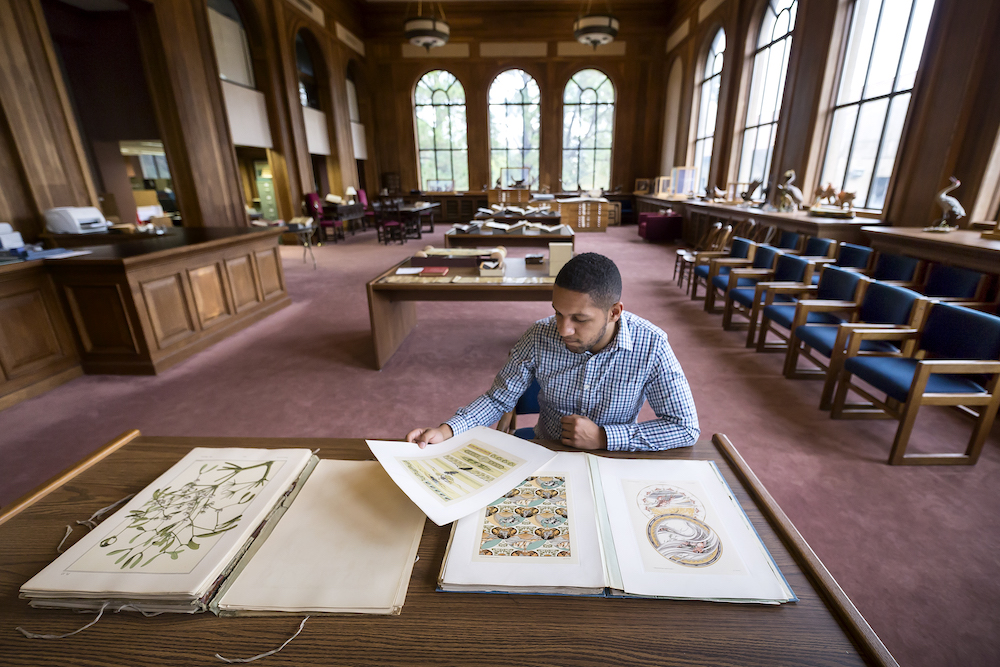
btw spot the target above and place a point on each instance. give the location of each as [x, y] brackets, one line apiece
[413, 215]
[394, 313]
[962, 247]
[456, 239]
[822, 628]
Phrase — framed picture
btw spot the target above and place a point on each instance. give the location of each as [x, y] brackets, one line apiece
[661, 186]
[441, 185]
[685, 180]
[641, 186]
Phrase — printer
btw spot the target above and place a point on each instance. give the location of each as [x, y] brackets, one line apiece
[75, 220]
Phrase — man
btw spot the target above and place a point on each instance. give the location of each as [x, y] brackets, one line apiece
[596, 364]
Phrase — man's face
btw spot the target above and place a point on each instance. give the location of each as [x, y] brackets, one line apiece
[582, 324]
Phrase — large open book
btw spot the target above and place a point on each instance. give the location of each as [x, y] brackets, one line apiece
[246, 531]
[588, 525]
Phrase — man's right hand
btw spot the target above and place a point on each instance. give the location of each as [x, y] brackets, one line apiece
[429, 436]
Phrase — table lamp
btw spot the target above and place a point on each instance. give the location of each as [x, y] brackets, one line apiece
[350, 192]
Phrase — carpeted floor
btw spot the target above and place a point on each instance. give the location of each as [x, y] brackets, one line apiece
[915, 548]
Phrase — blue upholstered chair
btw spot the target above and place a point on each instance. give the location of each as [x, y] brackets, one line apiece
[788, 240]
[897, 269]
[956, 285]
[526, 405]
[741, 252]
[954, 363]
[881, 306]
[851, 256]
[837, 293]
[820, 248]
[712, 244]
[746, 300]
[760, 268]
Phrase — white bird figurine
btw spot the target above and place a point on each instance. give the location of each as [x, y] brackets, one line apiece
[951, 208]
[793, 191]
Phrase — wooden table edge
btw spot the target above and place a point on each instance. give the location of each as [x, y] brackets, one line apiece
[854, 624]
[39, 492]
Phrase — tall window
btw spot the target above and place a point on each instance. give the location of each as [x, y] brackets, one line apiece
[515, 126]
[588, 128]
[770, 60]
[232, 49]
[879, 68]
[439, 106]
[308, 85]
[708, 105]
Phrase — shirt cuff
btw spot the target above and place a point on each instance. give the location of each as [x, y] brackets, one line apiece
[459, 425]
[619, 436]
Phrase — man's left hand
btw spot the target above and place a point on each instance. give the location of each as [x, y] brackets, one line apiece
[580, 432]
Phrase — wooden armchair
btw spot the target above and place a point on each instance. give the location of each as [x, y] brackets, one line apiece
[959, 286]
[713, 240]
[953, 360]
[789, 272]
[741, 274]
[711, 264]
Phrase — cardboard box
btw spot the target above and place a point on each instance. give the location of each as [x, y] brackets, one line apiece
[559, 254]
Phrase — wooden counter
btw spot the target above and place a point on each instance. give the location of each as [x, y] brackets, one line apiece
[37, 351]
[140, 307]
[700, 214]
[962, 247]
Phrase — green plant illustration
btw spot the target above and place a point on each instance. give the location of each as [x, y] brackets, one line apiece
[173, 520]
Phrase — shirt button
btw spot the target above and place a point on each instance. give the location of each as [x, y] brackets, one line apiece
[586, 386]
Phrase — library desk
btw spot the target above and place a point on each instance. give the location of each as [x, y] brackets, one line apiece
[413, 217]
[456, 239]
[394, 314]
[963, 247]
[822, 628]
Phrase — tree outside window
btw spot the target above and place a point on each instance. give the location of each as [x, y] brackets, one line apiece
[442, 141]
[515, 124]
[588, 129]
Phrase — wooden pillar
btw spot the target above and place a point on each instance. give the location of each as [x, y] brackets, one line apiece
[179, 62]
[42, 162]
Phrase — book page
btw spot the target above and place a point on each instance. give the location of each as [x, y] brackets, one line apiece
[461, 475]
[679, 532]
[542, 532]
[176, 536]
[346, 544]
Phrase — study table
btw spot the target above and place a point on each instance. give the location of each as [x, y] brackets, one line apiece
[822, 628]
[454, 238]
[391, 298]
[413, 216]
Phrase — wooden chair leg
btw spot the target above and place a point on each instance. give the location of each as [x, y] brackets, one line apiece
[727, 312]
[906, 421]
[709, 297]
[752, 326]
[840, 398]
[832, 375]
[765, 326]
[792, 356]
[693, 284]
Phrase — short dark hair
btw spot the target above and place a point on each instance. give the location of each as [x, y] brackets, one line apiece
[594, 275]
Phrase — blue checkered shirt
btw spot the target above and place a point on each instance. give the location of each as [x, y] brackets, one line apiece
[608, 388]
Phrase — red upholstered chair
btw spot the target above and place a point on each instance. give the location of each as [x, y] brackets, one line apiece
[369, 219]
[660, 226]
[387, 223]
[314, 206]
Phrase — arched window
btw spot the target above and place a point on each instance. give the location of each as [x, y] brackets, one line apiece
[877, 75]
[439, 109]
[708, 105]
[515, 127]
[308, 84]
[232, 49]
[767, 85]
[588, 128]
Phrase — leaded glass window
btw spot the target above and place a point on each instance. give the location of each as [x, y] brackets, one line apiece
[442, 142]
[767, 85]
[879, 68]
[708, 106]
[515, 124]
[588, 128]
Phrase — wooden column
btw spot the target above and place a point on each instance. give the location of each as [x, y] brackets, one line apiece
[42, 163]
[179, 62]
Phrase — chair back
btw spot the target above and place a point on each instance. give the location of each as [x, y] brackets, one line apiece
[853, 256]
[745, 228]
[790, 268]
[895, 267]
[314, 205]
[788, 240]
[952, 281]
[722, 238]
[363, 198]
[817, 246]
[837, 284]
[708, 236]
[887, 304]
[765, 257]
[954, 332]
[528, 403]
[765, 234]
[741, 248]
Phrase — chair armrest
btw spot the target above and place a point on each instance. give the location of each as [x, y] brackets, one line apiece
[884, 332]
[962, 367]
[733, 261]
[816, 259]
[752, 272]
[903, 283]
[784, 287]
[505, 422]
[824, 306]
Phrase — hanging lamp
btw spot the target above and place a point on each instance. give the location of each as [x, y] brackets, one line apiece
[595, 29]
[427, 31]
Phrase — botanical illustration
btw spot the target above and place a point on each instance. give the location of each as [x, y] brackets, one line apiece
[453, 476]
[677, 528]
[530, 520]
[172, 531]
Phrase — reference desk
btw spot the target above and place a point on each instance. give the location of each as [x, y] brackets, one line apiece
[532, 239]
[822, 628]
[394, 314]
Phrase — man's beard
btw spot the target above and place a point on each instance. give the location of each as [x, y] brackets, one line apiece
[586, 347]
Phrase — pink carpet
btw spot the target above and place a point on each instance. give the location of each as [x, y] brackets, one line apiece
[915, 548]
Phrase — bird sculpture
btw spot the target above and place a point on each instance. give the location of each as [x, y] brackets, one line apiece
[790, 196]
[719, 194]
[951, 209]
[748, 195]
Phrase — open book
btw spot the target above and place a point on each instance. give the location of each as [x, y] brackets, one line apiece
[246, 531]
[588, 525]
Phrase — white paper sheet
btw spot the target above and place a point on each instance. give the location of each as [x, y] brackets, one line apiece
[346, 544]
[459, 476]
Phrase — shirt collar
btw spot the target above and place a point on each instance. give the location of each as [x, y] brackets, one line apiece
[623, 338]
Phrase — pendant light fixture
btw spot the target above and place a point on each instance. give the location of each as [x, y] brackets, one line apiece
[427, 31]
[595, 29]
